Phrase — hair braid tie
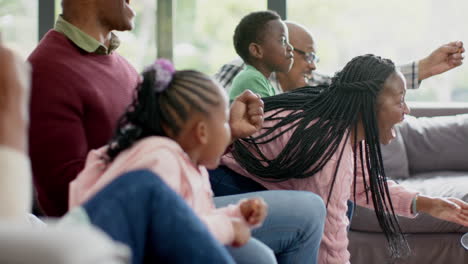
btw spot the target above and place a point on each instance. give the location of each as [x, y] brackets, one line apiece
[162, 71]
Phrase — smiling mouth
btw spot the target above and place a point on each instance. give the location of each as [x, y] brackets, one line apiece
[127, 1]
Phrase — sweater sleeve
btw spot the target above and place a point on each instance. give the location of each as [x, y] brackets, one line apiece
[15, 184]
[411, 73]
[220, 225]
[168, 164]
[402, 198]
[58, 143]
[218, 220]
[165, 164]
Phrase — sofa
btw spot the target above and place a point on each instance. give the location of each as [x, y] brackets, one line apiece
[430, 155]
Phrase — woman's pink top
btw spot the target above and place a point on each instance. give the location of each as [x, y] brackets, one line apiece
[166, 158]
[333, 248]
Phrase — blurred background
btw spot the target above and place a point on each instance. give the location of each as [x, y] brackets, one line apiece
[202, 33]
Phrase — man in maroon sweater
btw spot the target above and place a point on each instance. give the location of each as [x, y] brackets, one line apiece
[80, 87]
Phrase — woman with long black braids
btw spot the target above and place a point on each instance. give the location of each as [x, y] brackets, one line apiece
[326, 140]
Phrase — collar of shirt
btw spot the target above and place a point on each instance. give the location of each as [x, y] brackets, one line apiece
[85, 41]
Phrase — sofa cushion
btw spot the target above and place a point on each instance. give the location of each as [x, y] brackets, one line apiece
[394, 157]
[436, 143]
[444, 184]
[425, 248]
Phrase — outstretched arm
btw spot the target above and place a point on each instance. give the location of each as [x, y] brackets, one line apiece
[448, 209]
[444, 58]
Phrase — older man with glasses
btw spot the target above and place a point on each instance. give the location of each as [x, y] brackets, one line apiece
[303, 71]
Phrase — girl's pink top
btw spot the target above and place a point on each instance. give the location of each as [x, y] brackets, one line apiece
[333, 249]
[166, 158]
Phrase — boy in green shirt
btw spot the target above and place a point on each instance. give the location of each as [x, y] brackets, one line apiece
[261, 40]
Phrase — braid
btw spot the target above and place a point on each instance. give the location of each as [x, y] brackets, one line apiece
[320, 119]
[154, 113]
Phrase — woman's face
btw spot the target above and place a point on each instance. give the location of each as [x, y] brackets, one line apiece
[391, 106]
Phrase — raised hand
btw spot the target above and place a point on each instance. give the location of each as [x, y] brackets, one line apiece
[246, 115]
[444, 58]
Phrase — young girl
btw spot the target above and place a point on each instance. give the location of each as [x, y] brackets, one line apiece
[179, 124]
[123, 206]
[326, 140]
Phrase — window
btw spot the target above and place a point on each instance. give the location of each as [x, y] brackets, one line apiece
[401, 30]
[203, 31]
[18, 25]
[139, 45]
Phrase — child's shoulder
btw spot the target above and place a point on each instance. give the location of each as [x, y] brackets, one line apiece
[247, 74]
[158, 143]
[250, 78]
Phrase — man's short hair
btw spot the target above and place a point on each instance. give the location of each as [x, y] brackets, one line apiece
[251, 29]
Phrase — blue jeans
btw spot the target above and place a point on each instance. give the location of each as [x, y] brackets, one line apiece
[141, 211]
[293, 228]
[225, 181]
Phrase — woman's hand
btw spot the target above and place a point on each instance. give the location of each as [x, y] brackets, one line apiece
[449, 209]
[246, 115]
[254, 210]
[442, 59]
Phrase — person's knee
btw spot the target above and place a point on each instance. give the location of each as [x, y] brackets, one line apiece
[309, 204]
[266, 257]
[316, 205]
[310, 208]
[254, 252]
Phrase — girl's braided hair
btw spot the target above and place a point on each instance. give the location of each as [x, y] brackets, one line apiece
[165, 99]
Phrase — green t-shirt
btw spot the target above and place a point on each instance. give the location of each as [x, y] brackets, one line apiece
[251, 79]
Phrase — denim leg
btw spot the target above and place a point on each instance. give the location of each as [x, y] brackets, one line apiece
[141, 211]
[225, 181]
[350, 212]
[293, 228]
[254, 252]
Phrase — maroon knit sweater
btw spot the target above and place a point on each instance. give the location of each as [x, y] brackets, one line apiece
[77, 98]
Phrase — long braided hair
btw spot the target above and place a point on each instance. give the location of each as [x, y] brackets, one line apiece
[164, 101]
[321, 118]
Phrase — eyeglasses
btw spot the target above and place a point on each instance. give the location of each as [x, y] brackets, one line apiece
[310, 57]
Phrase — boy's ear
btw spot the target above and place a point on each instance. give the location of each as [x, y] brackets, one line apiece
[201, 132]
[256, 50]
